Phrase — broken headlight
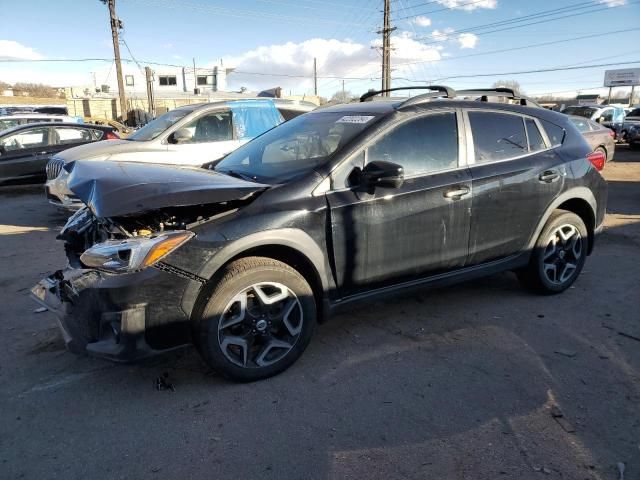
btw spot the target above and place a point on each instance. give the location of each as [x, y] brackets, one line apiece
[133, 253]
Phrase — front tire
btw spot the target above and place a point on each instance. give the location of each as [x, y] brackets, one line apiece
[559, 254]
[257, 320]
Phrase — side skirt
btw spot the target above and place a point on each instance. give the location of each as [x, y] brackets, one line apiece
[465, 274]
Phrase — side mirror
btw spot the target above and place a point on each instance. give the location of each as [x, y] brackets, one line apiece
[181, 135]
[383, 174]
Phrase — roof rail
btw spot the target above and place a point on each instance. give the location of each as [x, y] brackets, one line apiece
[448, 92]
[504, 92]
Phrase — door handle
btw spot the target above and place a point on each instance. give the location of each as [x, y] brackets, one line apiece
[549, 176]
[457, 193]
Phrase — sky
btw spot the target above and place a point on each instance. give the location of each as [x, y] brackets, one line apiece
[460, 43]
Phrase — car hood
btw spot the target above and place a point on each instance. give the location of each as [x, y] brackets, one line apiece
[103, 150]
[114, 189]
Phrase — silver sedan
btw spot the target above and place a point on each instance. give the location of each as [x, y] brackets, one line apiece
[598, 137]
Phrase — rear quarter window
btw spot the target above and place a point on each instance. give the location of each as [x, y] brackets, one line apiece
[554, 132]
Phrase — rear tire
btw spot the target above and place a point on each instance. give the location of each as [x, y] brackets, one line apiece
[558, 256]
[257, 321]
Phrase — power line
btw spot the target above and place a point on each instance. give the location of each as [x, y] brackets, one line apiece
[513, 27]
[456, 7]
[542, 70]
[254, 14]
[523, 47]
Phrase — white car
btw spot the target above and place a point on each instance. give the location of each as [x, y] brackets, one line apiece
[10, 121]
[190, 136]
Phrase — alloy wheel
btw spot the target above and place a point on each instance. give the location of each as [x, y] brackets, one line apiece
[562, 254]
[260, 325]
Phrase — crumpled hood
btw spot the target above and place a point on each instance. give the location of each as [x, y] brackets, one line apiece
[103, 150]
[113, 189]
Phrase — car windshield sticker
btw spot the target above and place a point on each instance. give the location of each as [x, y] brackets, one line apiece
[355, 119]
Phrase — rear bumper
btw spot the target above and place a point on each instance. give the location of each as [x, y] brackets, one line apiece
[118, 317]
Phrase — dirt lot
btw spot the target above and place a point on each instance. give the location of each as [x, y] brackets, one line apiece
[478, 381]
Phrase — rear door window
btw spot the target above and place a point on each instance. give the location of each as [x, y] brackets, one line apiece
[497, 136]
[70, 135]
[423, 145]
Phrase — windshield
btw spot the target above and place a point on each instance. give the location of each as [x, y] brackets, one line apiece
[295, 147]
[154, 128]
[634, 113]
[580, 111]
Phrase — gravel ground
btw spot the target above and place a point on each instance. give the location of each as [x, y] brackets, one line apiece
[478, 381]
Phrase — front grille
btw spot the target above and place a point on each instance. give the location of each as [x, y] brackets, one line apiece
[54, 167]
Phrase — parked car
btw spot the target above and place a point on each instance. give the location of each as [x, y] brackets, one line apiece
[193, 135]
[599, 138]
[26, 149]
[10, 121]
[52, 109]
[11, 110]
[349, 203]
[630, 131]
[610, 117]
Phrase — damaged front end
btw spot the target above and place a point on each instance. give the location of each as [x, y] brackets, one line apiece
[119, 296]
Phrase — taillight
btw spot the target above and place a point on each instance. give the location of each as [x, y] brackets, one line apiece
[598, 159]
[111, 136]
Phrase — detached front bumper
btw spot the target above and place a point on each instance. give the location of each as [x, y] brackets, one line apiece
[122, 317]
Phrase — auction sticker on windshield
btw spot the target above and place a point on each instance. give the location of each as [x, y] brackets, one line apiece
[355, 119]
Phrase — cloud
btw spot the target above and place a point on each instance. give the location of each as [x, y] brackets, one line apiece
[467, 40]
[442, 35]
[421, 21]
[472, 5]
[10, 50]
[177, 57]
[335, 58]
[614, 3]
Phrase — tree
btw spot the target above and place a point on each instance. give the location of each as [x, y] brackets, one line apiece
[4, 85]
[342, 97]
[35, 90]
[513, 84]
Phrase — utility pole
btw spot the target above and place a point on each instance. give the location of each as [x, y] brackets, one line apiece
[315, 77]
[148, 73]
[116, 24]
[342, 89]
[386, 47]
[195, 77]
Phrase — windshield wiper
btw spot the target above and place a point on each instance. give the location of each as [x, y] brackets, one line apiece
[241, 176]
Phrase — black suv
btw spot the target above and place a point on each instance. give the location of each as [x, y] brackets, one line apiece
[346, 203]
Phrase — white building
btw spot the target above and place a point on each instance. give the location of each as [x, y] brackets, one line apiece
[166, 80]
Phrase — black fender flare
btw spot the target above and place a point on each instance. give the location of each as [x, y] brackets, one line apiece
[292, 238]
[580, 193]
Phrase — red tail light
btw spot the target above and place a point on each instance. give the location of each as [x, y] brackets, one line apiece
[598, 159]
[111, 136]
